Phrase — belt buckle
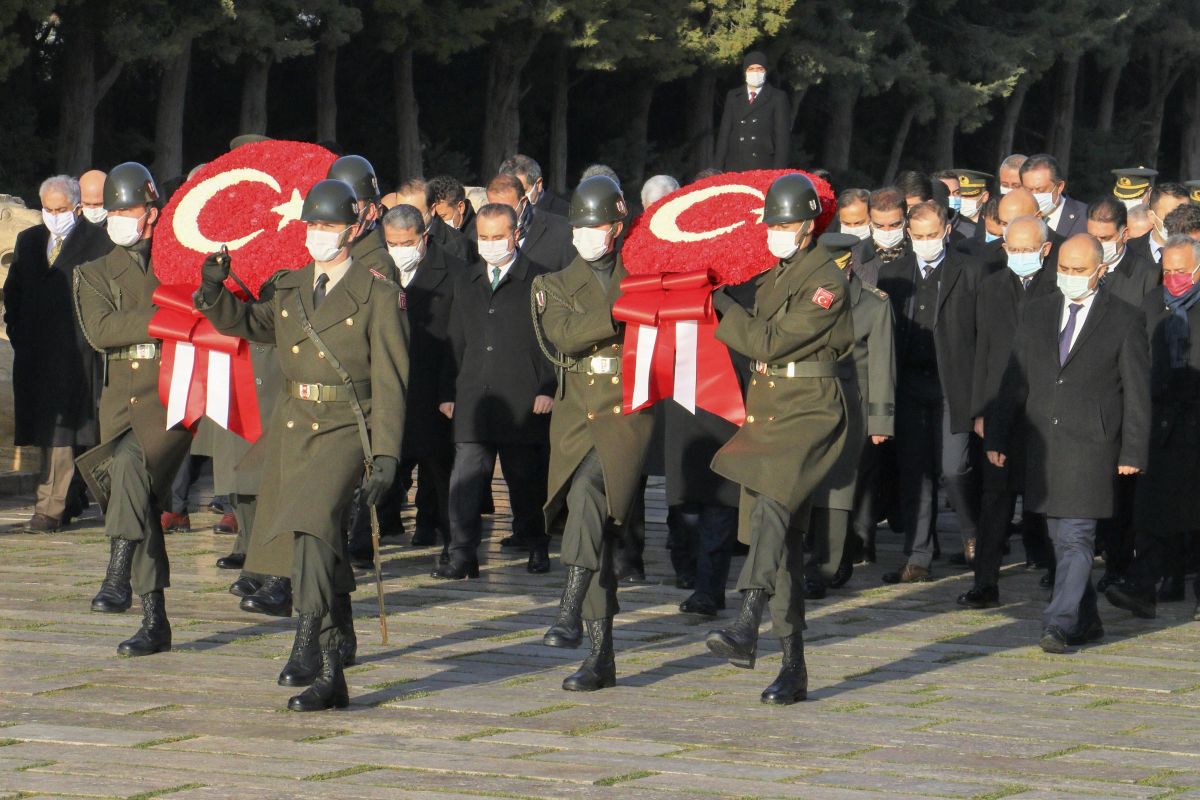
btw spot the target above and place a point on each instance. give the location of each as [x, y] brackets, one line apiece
[305, 390]
[602, 365]
[760, 367]
[143, 351]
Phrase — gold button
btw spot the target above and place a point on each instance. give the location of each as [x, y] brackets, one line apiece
[770, 384]
[616, 379]
[134, 365]
[770, 419]
[754, 381]
[320, 354]
[349, 322]
[616, 347]
[315, 426]
[595, 347]
[133, 401]
[591, 381]
[591, 415]
[295, 348]
[291, 423]
[750, 418]
[283, 313]
[616, 409]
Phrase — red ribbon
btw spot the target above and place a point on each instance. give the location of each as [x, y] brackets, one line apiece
[177, 322]
[671, 349]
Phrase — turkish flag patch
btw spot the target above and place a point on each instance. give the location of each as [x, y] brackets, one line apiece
[824, 298]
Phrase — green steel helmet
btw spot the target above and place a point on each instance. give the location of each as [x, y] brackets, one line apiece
[330, 201]
[597, 201]
[791, 198]
[129, 185]
[358, 172]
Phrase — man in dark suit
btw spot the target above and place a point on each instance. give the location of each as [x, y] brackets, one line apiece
[1164, 198]
[1080, 373]
[542, 237]
[1042, 175]
[756, 126]
[1128, 274]
[56, 374]
[449, 213]
[888, 241]
[933, 291]
[529, 172]
[501, 399]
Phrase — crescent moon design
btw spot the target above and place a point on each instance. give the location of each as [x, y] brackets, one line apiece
[665, 223]
[187, 213]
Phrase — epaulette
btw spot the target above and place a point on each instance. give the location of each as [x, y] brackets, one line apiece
[875, 290]
[402, 298]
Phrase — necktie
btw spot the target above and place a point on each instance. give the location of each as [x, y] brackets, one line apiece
[56, 249]
[1025, 283]
[1068, 332]
[495, 278]
[319, 292]
[1158, 256]
[752, 96]
[928, 271]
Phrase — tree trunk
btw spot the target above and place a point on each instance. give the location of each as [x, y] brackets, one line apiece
[1062, 117]
[327, 109]
[639, 128]
[254, 96]
[1163, 77]
[943, 140]
[893, 165]
[81, 94]
[502, 114]
[797, 100]
[703, 93]
[168, 123]
[841, 123]
[557, 179]
[1108, 97]
[1012, 115]
[1189, 151]
[408, 131]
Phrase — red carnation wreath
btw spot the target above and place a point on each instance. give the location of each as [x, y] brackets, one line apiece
[249, 199]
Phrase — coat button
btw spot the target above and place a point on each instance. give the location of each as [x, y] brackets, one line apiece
[1054, 421]
[135, 365]
[770, 419]
[616, 409]
[1059, 382]
[770, 384]
[591, 415]
[616, 379]
[315, 426]
[491, 311]
[291, 423]
[595, 347]
[258, 381]
[320, 354]
[350, 322]
[754, 381]
[283, 313]
[133, 401]
[616, 347]
[1163, 424]
[488, 348]
[295, 348]
[750, 418]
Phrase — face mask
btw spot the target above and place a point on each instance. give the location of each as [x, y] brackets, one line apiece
[1132, 203]
[928, 250]
[1160, 230]
[989, 237]
[1045, 201]
[755, 79]
[494, 253]
[124, 230]
[407, 258]
[323, 246]
[1024, 264]
[1005, 190]
[861, 231]
[955, 203]
[782, 244]
[96, 215]
[452, 223]
[888, 239]
[969, 206]
[1076, 287]
[533, 195]
[590, 243]
[1110, 251]
[59, 224]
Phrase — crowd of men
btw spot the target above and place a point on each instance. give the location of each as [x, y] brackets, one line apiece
[983, 333]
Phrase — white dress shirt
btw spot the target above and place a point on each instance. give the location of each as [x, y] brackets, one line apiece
[1055, 216]
[1080, 316]
[335, 273]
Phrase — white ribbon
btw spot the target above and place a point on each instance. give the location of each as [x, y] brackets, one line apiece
[181, 380]
[644, 360]
[217, 403]
[686, 336]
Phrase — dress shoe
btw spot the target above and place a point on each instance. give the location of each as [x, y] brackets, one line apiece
[360, 560]
[1053, 640]
[985, 597]
[814, 588]
[305, 660]
[40, 523]
[739, 642]
[630, 573]
[685, 582]
[791, 685]
[244, 586]
[273, 598]
[599, 669]
[155, 634]
[1047, 580]
[567, 630]
[328, 689]
[456, 570]
[1131, 598]
[216, 506]
[699, 604]
[1172, 589]
[539, 559]
[957, 560]
[116, 595]
[227, 524]
[232, 561]
[515, 543]
[840, 578]
[910, 574]
[1109, 578]
[1092, 633]
[77, 503]
[424, 536]
[176, 523]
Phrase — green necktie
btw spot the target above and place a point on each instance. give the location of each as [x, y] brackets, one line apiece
[495, 278]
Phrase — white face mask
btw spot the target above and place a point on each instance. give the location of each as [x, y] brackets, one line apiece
[124, 231]
[59, 225]
[861, 231]
[494, 253]
[407, 258]
[782, 244]
[1133, 203]
[755, 80]
[96, 215]
[1045, 201]
[970, 206]
[590, 243]
[928, 250]
[1005, 190]
[1076, 287]
[1111, 251]
[888, 239]
[323, 246]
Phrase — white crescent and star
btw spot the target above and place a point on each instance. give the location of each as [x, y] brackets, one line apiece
[185, 224]
[665, 222]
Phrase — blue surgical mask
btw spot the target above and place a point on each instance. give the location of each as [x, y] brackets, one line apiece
[989, 237]
[955, 203]
[1024, 264]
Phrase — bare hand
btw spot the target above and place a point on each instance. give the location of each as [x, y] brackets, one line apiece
[996, 458]
[1128, 470]
[542, 404]
[879, 439]
[447, 410]
[979, 427]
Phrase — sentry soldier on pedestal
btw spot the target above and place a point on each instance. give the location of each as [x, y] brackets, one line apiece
[130, 473]
[596, 452]
[343, 349]
[796, 424]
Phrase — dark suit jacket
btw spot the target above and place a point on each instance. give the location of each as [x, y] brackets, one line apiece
[548, 241]
[1135, 276]
[1073, 219]
[954, 330]
[866, 261]
[1140, 247]
[754, 135]
[550, 203]
[57, 376]
[499, 367]
[1085, 417]
[451, 240]
[429, 297]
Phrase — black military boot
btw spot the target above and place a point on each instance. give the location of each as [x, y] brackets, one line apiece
[343, 617]
[305, 660]
[273, 598]
[599, 669]
[328, 689]
[115, 595]
[155, 634]
[791, 685]
[567, 630]
[739, 642]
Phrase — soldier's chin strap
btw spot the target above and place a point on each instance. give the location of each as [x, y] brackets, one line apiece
[364, 435]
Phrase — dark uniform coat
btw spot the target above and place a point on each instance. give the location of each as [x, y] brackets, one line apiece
[430, 300]
[371, 251]
[754, 135]
[577, 320]
[56, 375]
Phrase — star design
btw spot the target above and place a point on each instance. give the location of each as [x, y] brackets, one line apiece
[758, 214]
[289, 211]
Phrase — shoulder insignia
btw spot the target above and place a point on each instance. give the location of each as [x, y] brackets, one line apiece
[540, 297]
[402, 300]
[379, 276]
[824, 298]
[875, 290]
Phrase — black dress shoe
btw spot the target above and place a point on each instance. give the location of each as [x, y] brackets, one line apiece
[630, 573]
[986, 597]
[1106, 580]
[244, 586]
[515, 543]
[1053, 639]
[1047, 580]
[1092, 633]
[840, 578]
[539, 559]
[455, 571]
[424, 537]
[699, 604]
[687, 582]
[1131, 598]
[155, 634]
[814, 588]
[1172, 589]
[328, 689]
[232, 561]
[274, 598]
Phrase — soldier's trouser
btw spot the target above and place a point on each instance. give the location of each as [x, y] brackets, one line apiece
[133, 515]
[830, 529]
[319, 574]
[54, 481]
[244, 506]
[776, 561]
[587, 541]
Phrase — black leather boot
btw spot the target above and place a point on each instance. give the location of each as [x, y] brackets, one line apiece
[115, 595]
[739, 642]
[343, 617]
[599, 669]
[155, 634]
[791, 685]
[273, 598]
[328, 689]
[305, 660]
[567, 630]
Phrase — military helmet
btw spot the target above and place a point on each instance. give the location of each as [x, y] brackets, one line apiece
[330, 201]
[129, 185]
[358, 172]
[791, 198]
[597, 200]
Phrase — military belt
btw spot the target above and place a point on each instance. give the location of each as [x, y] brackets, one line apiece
[321, 393]
[803, 369]
[598, 365]
[134, 352]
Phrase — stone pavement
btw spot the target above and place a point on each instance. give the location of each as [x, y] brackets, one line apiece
[909, 696]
